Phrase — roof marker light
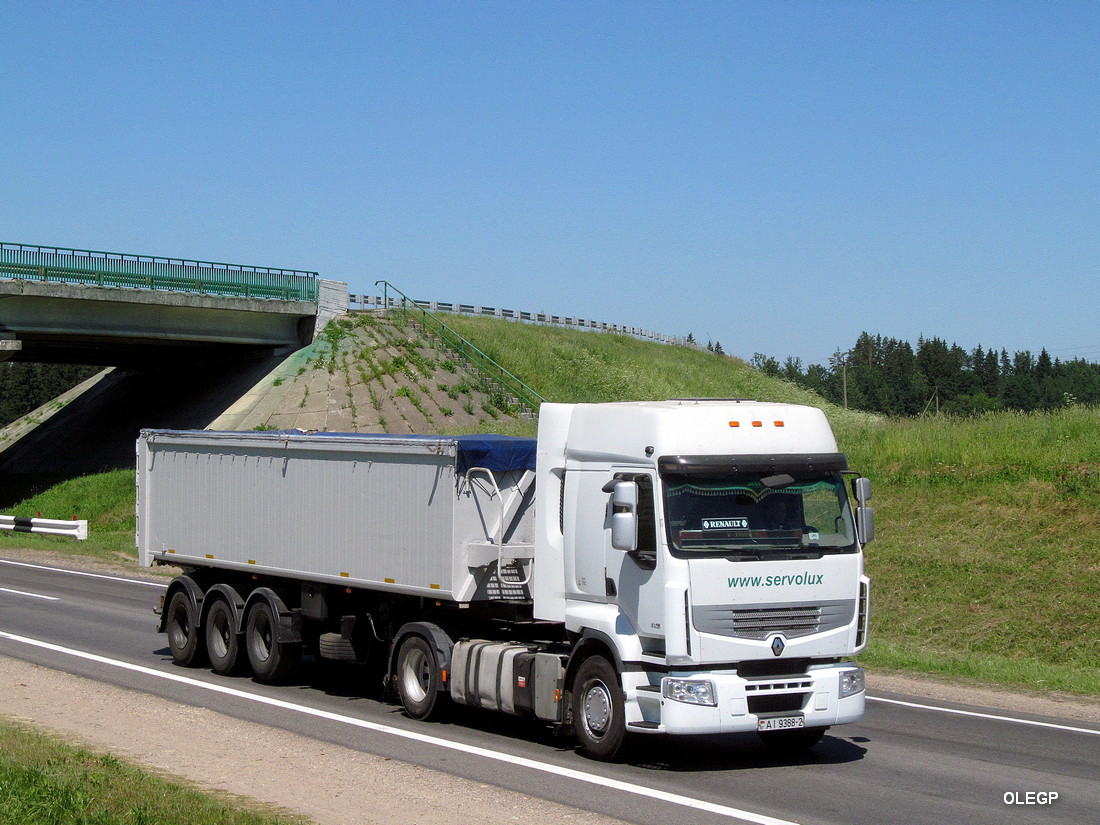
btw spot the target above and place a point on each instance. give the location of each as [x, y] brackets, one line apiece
[735, 423]
[779, 423]
[758, 423]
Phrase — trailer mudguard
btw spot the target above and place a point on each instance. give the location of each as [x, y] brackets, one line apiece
[440, 641]
[290, 621]
[232, 598]
[194, 593]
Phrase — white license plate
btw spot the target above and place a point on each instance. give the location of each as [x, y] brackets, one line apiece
[781, 723]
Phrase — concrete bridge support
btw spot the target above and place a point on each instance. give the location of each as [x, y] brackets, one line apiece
[180, 361]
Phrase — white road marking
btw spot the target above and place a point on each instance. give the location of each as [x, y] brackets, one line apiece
[81, 573]
[473, 750]
[978, 715]
[32, 595]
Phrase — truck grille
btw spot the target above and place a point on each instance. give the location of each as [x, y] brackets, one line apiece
[763, 620]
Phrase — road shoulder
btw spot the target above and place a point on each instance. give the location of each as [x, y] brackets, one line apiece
[329, 784]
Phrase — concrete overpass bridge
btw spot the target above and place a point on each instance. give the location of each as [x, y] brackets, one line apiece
[185, 339]
[78, 306]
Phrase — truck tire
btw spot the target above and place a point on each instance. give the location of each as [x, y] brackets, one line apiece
[222, 638]
[185, 640]
[599, 709]
[271, 660]
[418, 679]
[792, 741]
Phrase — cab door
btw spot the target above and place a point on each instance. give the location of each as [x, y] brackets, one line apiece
[633, 578]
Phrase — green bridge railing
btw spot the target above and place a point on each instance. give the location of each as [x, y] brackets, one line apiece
[118, 269]
[456, 343]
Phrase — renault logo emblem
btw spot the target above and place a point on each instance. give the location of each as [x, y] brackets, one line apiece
[778, 645]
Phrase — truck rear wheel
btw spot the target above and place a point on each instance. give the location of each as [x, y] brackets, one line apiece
[222, 638]
[599, 709]
[418, 679]
[271, 659]
[185, 640]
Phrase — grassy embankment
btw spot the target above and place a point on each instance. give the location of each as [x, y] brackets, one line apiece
[45, 782]
[987, 562]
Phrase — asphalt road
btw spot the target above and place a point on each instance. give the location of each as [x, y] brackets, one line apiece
[910, 761]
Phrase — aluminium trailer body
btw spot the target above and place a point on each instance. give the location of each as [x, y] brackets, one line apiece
[424, 516]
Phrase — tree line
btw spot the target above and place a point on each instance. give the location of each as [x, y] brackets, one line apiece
[890, 376]
[25, 387]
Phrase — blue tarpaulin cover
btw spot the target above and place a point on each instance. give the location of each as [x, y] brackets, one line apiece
[499, 453]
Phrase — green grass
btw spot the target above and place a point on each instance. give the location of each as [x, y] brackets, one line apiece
[988, 556]
[45, 782]
[571, 366]
[106, 500]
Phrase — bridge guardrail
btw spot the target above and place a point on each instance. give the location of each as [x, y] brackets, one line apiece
[542, 318]
[123, 270]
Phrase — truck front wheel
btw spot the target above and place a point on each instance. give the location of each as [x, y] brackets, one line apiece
[185, 640]
[418, 679]
[271, 659]
[599, 712]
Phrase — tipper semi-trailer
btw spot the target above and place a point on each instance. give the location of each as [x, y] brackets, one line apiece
[691, 566]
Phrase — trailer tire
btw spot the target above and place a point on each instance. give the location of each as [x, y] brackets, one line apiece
[599, 709]
[185, 639]
[792, 741]
[223, 641]
[419, 683]
[271, 660]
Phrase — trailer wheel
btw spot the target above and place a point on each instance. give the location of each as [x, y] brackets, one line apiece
[222, 638]
[184, 637]
[418, 679]
[271, 659]
[791, 741]
[599, 709]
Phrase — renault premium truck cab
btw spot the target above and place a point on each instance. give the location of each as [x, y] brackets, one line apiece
[691, 566]
[714, 545]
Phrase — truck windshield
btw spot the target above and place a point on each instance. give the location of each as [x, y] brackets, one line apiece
[756, 515]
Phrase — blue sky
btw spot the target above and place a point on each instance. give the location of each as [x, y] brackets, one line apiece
[775, 176]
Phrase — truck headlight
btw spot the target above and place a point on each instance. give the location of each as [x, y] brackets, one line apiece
[851, 682]
[692, 691]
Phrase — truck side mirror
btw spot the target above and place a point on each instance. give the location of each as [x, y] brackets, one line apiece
[861, 489]
[865, 524]
[624, 516]
[865, 516]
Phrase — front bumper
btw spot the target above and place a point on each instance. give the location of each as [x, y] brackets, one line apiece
[739, 702]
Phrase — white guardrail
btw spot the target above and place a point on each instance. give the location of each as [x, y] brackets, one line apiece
[376, 302]
[54, 527]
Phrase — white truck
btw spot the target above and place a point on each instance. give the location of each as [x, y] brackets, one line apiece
[690, 566]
